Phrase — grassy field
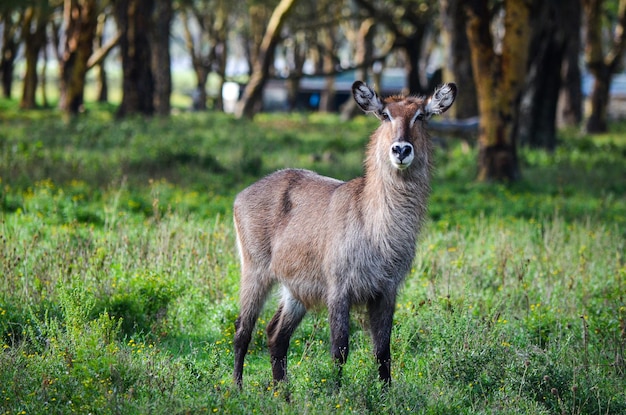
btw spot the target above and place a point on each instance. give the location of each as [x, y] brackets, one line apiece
[119, 274]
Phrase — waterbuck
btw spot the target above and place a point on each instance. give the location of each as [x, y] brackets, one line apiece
[334, 243]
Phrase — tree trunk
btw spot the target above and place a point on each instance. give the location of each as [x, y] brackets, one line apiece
[543, 82]
[363, 53]
[98, 57]
[327, 96]
[208, 50]
[220, 57]
[199, 97]
[259, 17]
[133, 19]
[34, 35]
[293, 82]
[8, 52]
[600, 66]
[161, 62]
[43, 77]
[499, 79]
[252, 95]
[30, 79]
[81, 22]
[571, 98]
[597, 121]
[412, 46]
[220, 52]
[458, 65]
[409, 24]
[102, 83]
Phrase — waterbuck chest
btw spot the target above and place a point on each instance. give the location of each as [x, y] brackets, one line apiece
[339, 243]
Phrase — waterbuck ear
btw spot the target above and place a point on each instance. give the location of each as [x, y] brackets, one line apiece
[440, 100]
[367, 99]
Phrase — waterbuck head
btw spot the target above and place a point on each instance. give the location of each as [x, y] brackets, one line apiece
[402, 130]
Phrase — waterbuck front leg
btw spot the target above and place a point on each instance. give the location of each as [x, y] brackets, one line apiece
[380, 312]
[339, 319]
[279, 331]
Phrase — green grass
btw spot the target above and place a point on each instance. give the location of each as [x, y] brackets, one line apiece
[119, 275]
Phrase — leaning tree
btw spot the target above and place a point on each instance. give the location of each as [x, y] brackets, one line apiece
[252, 95]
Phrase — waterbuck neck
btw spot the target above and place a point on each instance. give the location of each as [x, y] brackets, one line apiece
[395, 198]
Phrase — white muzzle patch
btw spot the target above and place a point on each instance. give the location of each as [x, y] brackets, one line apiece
[401, 154]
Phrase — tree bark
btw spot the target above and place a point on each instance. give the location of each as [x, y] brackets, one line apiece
[397, 17]
[220, 50]
[81, 22]
[161, 62]
[600, 66]
[363, 53]
[327, 96]
[412, 47]
[98, 57]
[499, 79]
[9, 51]
[458, 65]
[102, 82]
[252, 95]
[43, 77]
[34, 35]
[599, 99]
[220, 63]
[207, 47]
[200, 65]
[133, 19]
[292, 84]
[571, 98]
[543, 82]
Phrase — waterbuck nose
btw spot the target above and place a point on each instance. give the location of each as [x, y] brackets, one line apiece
[402, 151]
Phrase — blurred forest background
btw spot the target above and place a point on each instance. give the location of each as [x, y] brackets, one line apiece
[524, 67]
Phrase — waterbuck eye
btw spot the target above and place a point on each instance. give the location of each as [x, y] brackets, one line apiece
[384, 116]
[419, 116]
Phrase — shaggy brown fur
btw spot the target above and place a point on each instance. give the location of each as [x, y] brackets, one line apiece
[334, 243]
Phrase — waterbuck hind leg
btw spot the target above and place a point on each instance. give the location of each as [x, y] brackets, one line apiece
[252, 298]
[241, 342]
[380, 312]
[279, 332]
